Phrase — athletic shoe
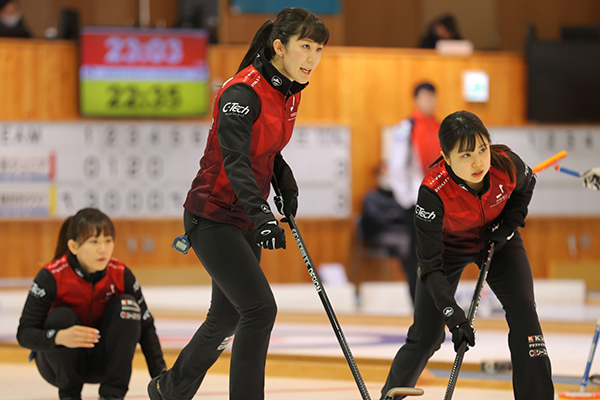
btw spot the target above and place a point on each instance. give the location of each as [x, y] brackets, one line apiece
[154, 389]
[595, 379]
[109, 397]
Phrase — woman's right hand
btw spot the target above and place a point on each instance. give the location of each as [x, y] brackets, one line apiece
[77, 336]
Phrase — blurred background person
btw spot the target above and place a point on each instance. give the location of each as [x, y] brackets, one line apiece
[442, 28]
[11, 20]
[200, 14]
[413, 147]
[385, 224]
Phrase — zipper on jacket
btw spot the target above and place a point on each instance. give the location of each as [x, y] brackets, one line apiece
[482, 210]
[484, 221]
[91, 308]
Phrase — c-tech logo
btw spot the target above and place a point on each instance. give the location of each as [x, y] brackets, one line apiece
[233, 108]
[423, 214]
[37, 291]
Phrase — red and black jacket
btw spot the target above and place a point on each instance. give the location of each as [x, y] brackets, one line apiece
[63, 283]
[253, 119]
[451, 218]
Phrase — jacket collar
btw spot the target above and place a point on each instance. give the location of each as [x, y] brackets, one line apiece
[463, 185]
[92, 278]
[275, 78]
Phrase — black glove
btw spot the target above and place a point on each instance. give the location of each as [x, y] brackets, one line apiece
[287, 203]
[499, 234]
[270, 236]
[463, 332]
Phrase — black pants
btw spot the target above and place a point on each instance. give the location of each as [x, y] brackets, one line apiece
[108, 363]
[242, 303]
[510, 279]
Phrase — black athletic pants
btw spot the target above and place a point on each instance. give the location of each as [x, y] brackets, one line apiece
[510, 279]
[108, 363]
[242, 303]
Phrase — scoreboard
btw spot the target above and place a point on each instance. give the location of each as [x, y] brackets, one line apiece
[144, 169]
[128, 72]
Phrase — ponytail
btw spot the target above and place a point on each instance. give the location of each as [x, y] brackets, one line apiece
[502, 162]
[260, 41]
[63, 238]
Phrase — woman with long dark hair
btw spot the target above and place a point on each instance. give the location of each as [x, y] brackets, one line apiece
[476, 193]
[227, 218]
[85, 313]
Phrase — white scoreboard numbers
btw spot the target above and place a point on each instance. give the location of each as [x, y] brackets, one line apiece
[320, 159]
[129, 170]
[556, 193]
[144, 170]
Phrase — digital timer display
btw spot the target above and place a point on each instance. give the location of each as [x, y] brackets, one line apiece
[128, 72]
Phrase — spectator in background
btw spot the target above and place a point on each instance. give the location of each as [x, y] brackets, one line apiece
[385, 224]
[200, 14]
[414, 146]
[442, 28]
[11, 20]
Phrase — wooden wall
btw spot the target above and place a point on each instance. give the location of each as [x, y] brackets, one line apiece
[369, 88]
[390, 23]
[38, 80]
[379, 23]
[364, 88]
[236, 28]
[145, 245]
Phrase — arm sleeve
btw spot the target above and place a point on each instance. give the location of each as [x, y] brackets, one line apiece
[429, 216]
[148, 338]
[516, 207]
[284, 174]
[235, 137]
[31, 333]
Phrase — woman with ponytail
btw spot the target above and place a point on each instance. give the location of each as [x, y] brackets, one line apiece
[476, 193]
[227, 219]
[85, 313]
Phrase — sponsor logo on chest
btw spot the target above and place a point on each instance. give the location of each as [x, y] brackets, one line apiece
[500, 197]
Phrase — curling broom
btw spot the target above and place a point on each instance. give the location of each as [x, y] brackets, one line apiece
[582, 394]
[552, 160]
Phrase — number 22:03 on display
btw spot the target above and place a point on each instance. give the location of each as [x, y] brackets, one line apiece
[132, 96]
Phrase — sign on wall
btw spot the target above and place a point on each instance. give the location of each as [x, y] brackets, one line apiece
[144, 170]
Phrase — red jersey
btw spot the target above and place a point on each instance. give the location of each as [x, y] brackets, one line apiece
[253, 119]
[451, 218]
[88, 300]
[63, 282]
